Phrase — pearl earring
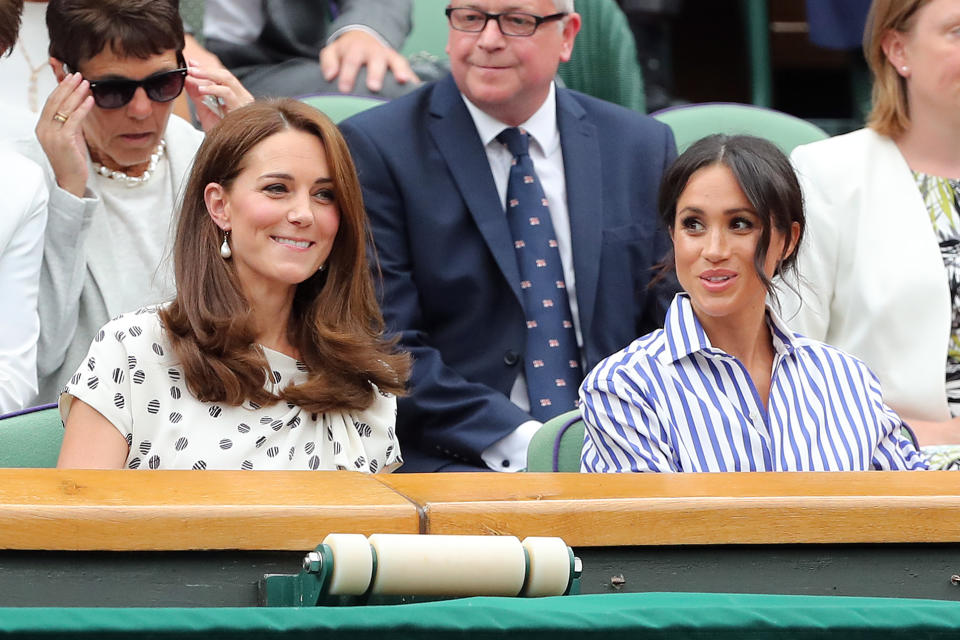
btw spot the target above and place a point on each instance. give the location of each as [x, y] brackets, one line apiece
[905, 68]
[321, 267]
[225, 251]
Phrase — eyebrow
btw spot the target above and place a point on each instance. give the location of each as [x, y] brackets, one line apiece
[287, 176]
[728, 212]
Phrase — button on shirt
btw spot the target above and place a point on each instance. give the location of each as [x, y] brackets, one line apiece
[672, 402]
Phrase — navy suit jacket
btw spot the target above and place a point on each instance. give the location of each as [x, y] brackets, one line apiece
[450, 281]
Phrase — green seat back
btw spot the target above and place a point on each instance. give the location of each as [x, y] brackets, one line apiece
[557, 445]
[339, 107]
[695, 121]
[31, 438]
[429, 32]
[604, 61]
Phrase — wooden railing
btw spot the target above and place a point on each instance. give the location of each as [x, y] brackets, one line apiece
[192, 510]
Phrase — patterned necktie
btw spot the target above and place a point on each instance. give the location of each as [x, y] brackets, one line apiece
[552, 360]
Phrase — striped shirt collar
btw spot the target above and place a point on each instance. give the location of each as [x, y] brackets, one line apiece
[685, 335]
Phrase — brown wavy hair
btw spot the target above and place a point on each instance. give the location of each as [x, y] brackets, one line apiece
[335, 322]
[9, 24]
[890, 115]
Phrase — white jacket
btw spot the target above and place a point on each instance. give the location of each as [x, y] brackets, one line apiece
[871, 273]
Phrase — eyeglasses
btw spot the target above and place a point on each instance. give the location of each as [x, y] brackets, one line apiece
[160, 87]
[512, 23]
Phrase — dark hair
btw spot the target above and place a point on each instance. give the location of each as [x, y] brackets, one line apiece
[80, 29]
[9, 24]
[767, 179]
[335, 322]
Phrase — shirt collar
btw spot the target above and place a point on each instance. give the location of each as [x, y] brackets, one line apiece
[542, 125]
[685, 335]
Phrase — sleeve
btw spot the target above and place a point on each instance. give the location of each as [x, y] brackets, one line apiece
[444, 416]
[102, 380]
[806, 299]
[391, 20]
[622, 430]
[21, 252]
[62, 275]
[895, 450]
[381, 418]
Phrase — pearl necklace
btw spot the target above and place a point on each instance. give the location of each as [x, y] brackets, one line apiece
[133, 181]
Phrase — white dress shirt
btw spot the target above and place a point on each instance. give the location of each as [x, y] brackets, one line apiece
[510, 453]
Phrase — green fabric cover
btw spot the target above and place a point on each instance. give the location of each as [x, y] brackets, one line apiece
[31, 440]
[652, 615]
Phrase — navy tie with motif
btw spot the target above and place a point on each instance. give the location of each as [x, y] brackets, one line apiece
[552, 359]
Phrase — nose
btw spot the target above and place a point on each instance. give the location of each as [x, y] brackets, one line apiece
[717, 247]
[300, 213]
[491, 37]
[140, 105]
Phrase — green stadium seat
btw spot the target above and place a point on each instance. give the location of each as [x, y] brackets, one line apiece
[557, 445]
[31, 438]
[695, 121]
[338, 106]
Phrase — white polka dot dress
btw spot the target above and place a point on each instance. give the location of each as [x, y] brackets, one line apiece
[130, 376]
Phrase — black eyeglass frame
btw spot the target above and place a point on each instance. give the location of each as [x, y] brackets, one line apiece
[127, 82]
[538, 20]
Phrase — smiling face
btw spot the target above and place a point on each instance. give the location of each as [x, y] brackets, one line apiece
[124, 138]
[281, 212]
[508, 77]
[930, 51]
[715, 236]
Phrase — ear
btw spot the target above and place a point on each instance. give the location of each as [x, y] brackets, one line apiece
[217, 200]
[58, 69]
[571, 27]
[894, 45]
[791, 244]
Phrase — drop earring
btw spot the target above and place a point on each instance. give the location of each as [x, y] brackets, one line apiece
[225, 251]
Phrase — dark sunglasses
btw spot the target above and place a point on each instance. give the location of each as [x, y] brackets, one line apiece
[160, 87]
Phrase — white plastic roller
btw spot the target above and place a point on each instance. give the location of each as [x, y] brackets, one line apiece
[352, 564]
[549, 572]
[448, 565]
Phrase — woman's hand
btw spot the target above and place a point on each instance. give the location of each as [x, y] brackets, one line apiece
[929, 432]
[219, 84]
[60, 132]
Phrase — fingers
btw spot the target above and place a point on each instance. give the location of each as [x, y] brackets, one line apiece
[349, 68]
[217, 82]
[376, 70]
[329, 62]
[400, 68]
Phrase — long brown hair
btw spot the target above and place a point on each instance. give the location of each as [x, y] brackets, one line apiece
[335, 322]
[890, 115]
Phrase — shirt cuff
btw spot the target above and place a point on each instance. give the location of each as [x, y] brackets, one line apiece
[510, 453]
[359, 27]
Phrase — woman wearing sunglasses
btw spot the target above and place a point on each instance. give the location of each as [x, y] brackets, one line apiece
[117, 162]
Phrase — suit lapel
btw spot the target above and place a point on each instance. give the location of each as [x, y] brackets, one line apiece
[583, 174]
[456, 137]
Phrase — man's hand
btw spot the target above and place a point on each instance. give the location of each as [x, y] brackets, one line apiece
[343, 58]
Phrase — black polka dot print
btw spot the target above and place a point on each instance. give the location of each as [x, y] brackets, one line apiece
[130, 372]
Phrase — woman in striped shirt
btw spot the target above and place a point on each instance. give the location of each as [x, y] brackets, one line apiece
[726, 385]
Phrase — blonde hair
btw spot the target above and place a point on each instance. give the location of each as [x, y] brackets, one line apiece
[890, 115]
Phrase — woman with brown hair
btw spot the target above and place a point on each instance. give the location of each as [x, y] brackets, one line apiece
[880, 274]
[271, 356]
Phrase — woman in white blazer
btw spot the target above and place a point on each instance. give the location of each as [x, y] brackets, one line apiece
[876, 269]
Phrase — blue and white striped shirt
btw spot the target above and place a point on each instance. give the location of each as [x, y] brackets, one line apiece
[671, 402]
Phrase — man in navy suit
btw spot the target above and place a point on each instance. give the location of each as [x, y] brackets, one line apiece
[434, 180]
